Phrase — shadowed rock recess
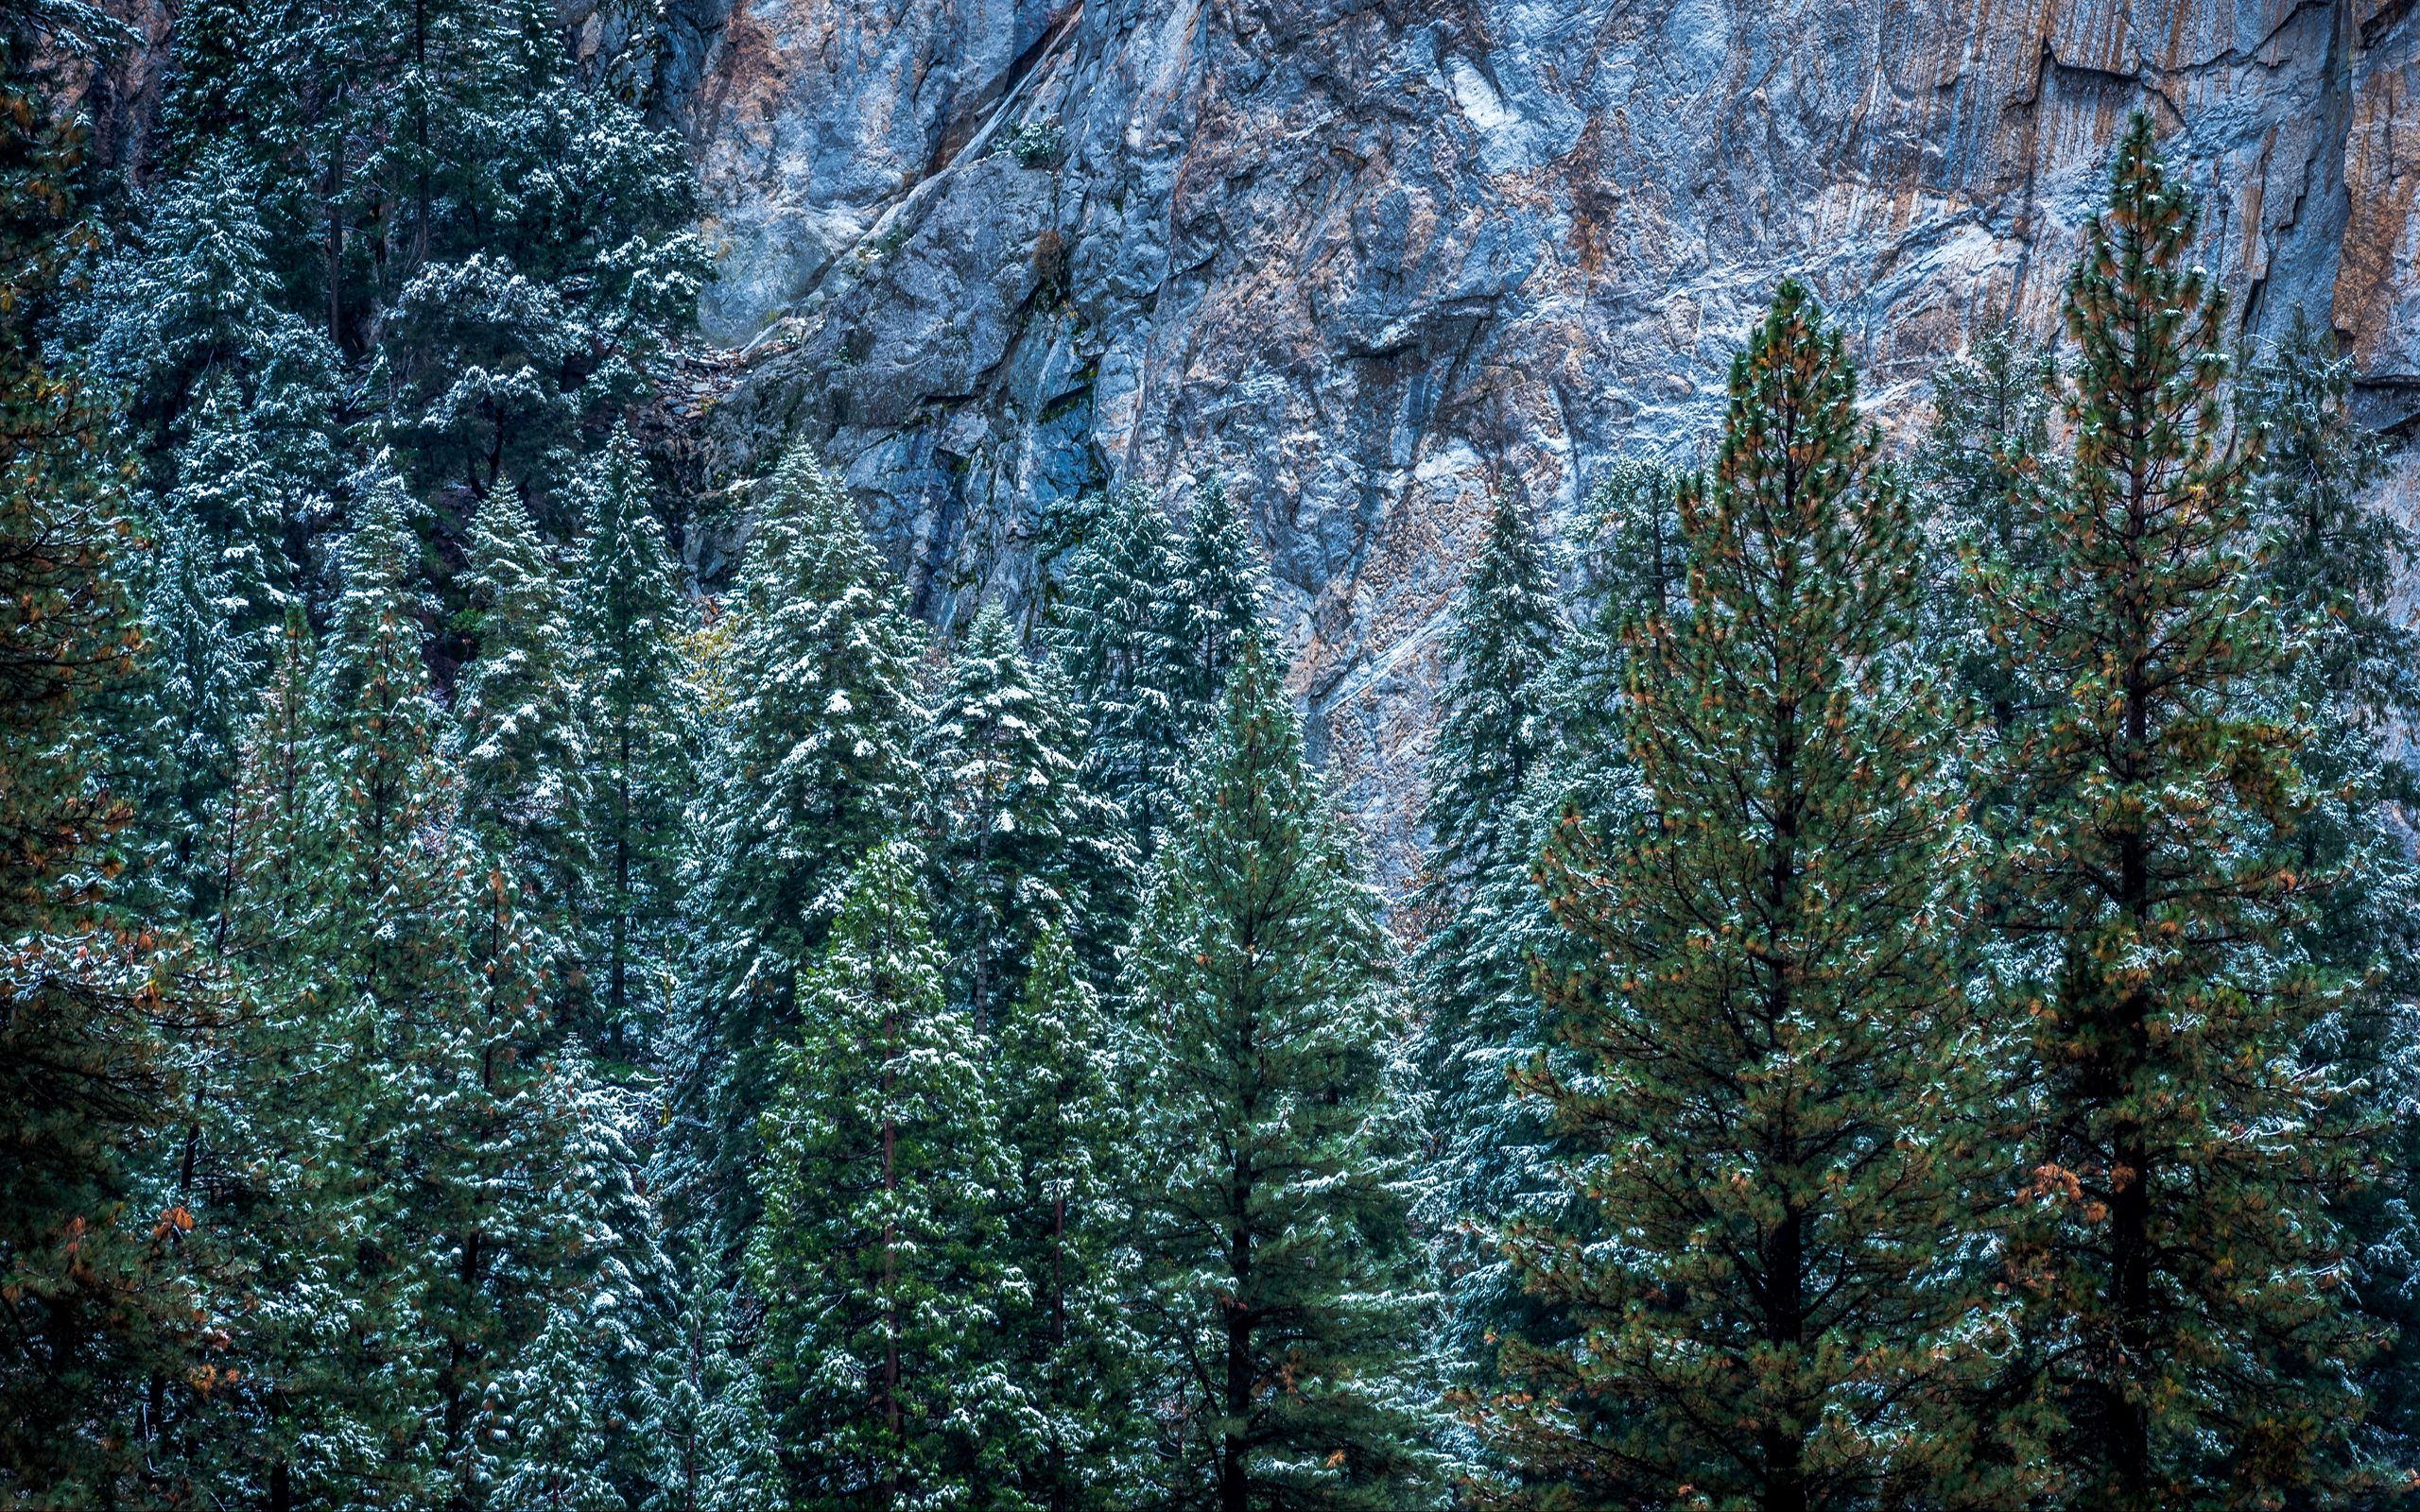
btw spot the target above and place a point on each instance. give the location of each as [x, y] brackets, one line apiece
[1368, 260]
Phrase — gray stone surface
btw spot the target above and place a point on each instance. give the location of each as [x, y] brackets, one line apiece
[1369, 258]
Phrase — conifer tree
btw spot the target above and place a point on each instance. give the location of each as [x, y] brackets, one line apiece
[1217, 601]
[1118, 632]
[1479, 1017]
[1275, 1143]
[2188, 1311]
[705, 1415]
[2330, 565]
[1077, 1358]
[525, 761]
[879, 1259]
[1021, 844]
[199, 678]
[1779, 1118]
[819, 770]
[627, 614]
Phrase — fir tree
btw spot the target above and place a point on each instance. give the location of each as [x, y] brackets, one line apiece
[1217, 601]
[705, 1415]
[2187, 1305]
[1780, 1114]
[819, 771]
[1021, 846]
[1077, 1358]
[525, 761]
[2330, 565]
[1278, 1258]
[878, 1257]
[628, 613]
[92, 1302]
[1118, 632]
[1472, 971]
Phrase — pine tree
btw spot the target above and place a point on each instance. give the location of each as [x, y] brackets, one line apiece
[525, 761]
[1983, 468]
[819, 771]
[878, 1256]
[1472, 971]
[1780, 1120]
[628, 615]
[2330, 565]
[2184, 1162]
[1118, 629]
[197, 681]
[1077, 1358]
[1020, 846]
[1275, 1143]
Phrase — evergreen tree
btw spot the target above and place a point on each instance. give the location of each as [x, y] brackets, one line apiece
[819, 771]
[2331, 563]
[1277, 1255]
[2185, 1160]
[705, 1415]
[525, 761]
[1216, 598]
[1472, 972]
[1077, 1358]
[627, 614]
[1118, 632]
[1021, 846]
[879, 1255]
[198, 684]
[1781, 1113]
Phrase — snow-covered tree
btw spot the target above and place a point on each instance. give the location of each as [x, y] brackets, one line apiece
[1216, 598]
[819, 770]
[1075, 1353]
[1479, 1017]
[2188, 1300]
[704, 1415]
[1274, 1168]
[627, 617]
[879, 1259]
[1118, 629]
[1782, 1118]
[526, 757]
[1020, 844]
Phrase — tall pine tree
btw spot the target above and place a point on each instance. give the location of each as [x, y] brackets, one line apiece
[2188, 1306]
[819, 771]
[1021, 844]
[1472, 972]
[879, 1258]
[1779, 1122]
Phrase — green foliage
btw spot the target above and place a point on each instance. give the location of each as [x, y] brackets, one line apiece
[817, 770]
[879, 1257]
[1783, 1099]
[1472, 972]
[2187, 1305]
[627, 613]
[1275, 1145]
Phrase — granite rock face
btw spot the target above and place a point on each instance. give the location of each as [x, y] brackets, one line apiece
[1370, 259]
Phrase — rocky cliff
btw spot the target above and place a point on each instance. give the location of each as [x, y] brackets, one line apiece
[1369, 258]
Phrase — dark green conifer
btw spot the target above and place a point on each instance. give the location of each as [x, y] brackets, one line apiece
[1779, 1117]
[2185, 1165]
[1275, 1172]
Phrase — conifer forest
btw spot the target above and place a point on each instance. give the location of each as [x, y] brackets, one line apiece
[1908, 999]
